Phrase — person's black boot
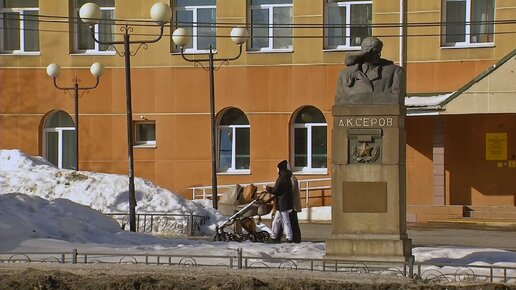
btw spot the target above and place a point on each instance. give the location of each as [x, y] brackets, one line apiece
[274, 241]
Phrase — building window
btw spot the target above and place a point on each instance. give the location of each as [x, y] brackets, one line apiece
[347, 23]
[198, 17]
[233, 142]
[145, 134]
[19, 26]
[309, 141]
[59, 140]
[468, 22]
[271, 25]
[104, 30]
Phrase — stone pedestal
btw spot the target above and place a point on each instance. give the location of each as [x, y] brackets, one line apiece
[368, 182]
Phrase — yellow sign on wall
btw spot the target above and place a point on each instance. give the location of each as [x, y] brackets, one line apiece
[496, 146]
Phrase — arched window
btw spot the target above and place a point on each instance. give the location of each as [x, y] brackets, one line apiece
[233, 141]
[309, 141]
[59, 140]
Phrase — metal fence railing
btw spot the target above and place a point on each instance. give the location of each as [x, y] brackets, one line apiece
[163, 223]
[419, 271]
[306, 186]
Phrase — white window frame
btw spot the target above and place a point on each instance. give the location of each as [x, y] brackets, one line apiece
[232, 168]
[59, 131]
[308, 168]
[194, 10]
[96, 49]
[467, 31]
[347, 4]
[144, 143]
[271, 8]
[22, 29]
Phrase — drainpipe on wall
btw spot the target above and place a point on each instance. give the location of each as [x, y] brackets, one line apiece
[403, 32]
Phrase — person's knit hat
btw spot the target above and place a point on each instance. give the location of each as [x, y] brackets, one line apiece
[282, 164]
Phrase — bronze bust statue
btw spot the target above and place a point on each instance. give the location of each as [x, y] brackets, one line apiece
[370, 79]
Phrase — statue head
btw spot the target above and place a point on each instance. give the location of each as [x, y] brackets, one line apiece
[372, 49]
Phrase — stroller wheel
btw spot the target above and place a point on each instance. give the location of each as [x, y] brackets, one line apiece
[234, 238]
[264, 236]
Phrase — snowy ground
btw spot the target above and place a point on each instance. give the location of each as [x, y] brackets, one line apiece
[44, 209]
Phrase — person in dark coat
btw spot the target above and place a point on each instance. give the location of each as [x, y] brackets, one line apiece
[296, 203]
[282, 192]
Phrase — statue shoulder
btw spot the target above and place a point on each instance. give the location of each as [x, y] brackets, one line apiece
[388, 64]
[349, 69]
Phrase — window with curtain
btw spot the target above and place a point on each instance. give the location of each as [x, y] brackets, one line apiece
[199, 19]
[233, 142]
[347, 23]
[309, 141]
[19, 26]
[468, 22]
[271, 25]
[104, 31]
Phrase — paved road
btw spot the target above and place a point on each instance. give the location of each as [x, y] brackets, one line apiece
[428, 235]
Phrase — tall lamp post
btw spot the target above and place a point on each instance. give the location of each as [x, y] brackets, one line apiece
[161, 13]
[239, 36]
[53, 71]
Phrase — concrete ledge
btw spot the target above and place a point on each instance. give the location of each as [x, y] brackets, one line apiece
[477, 223]
[493, 215]
[497, 209]
[368, 109]
[424, 213]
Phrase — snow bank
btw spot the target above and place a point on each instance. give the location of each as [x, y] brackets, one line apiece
[11, 160]
[34, 176]
[31, 223]
[24, 217]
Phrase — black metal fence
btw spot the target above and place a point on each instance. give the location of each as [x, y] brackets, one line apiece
[163, 223]
[418, 271]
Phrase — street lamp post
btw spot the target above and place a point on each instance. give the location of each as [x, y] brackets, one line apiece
[53, 71]
[239, 36]
[161, 14]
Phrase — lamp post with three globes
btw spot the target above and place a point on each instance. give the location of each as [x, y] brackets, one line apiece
[160, 13]
[239, 36]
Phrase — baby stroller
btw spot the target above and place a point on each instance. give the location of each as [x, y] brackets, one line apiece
[242, 215]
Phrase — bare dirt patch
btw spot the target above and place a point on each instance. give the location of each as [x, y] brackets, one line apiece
[104, 276]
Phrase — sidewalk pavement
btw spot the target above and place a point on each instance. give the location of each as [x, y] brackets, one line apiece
[459, 234]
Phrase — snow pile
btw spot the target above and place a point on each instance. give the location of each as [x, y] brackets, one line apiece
[20, 173]
[31, 223]
[24, 217]
[11, 160]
